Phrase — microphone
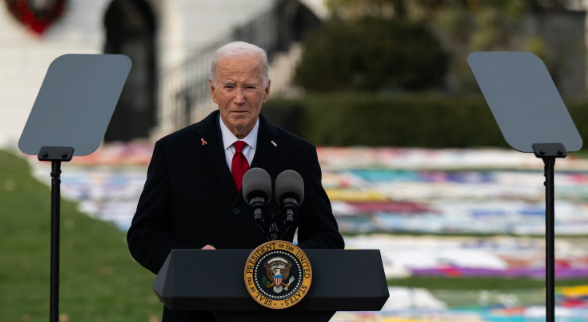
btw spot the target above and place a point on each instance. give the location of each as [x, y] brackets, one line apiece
[257, 191]
[289, 194]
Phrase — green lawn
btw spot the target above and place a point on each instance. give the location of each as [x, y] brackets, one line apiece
[475, 292]
[446, 283]
[99, 279]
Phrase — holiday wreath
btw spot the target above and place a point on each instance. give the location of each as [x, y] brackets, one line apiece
[37, 15]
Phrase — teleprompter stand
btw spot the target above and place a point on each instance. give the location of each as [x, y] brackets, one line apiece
[69, 117]
[532, 118]
[56, 155]
[549, 152]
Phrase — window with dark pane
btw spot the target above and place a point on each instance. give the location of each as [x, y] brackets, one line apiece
[130, 30]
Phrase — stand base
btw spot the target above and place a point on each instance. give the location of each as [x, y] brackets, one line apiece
[282, 316]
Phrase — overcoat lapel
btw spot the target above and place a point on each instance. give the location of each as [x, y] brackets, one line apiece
[208, 142]
[268, 145]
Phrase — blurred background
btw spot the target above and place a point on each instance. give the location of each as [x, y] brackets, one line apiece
[412, 158]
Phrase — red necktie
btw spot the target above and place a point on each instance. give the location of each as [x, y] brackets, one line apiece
[240, 164]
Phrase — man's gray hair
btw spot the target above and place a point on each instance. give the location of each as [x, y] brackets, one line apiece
[239, 49]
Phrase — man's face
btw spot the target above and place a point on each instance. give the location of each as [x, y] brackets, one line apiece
[239, 92]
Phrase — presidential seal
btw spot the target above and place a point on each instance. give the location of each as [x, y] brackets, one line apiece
[278, 274]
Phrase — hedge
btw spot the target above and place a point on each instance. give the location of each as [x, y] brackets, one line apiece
[400, 121]
[371, 54]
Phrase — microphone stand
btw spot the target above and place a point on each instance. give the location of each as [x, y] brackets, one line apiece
[258, 204]
[273, 233]
[290, 213]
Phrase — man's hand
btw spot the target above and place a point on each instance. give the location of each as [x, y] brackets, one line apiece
[208, 247]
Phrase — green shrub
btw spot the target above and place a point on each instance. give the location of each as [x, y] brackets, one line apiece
[405, 121]
[371, 54]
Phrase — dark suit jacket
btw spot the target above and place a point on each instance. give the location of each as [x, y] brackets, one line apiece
[190, 200]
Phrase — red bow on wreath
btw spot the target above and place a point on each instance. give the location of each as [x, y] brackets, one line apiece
[36, 14]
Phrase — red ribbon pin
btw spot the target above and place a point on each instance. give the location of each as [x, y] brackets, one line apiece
[203, 142]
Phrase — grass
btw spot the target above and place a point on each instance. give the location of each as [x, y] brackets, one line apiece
[447, 283]
[99, 279]
[473, 293]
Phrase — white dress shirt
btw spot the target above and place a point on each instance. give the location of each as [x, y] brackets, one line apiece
[229, 138]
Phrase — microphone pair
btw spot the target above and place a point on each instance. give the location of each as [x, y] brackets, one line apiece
[257, 191]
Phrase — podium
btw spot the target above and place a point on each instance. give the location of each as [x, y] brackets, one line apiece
[212, 280]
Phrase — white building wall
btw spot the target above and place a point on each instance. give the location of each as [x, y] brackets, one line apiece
[204, 21]
[170, 33]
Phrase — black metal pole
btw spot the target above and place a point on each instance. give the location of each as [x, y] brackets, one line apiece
[549, 238]
[55, 220]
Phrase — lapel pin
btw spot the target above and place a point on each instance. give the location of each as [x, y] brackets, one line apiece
[203, 142]
[274, 143]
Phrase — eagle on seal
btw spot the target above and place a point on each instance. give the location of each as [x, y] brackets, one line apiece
[277, 271]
